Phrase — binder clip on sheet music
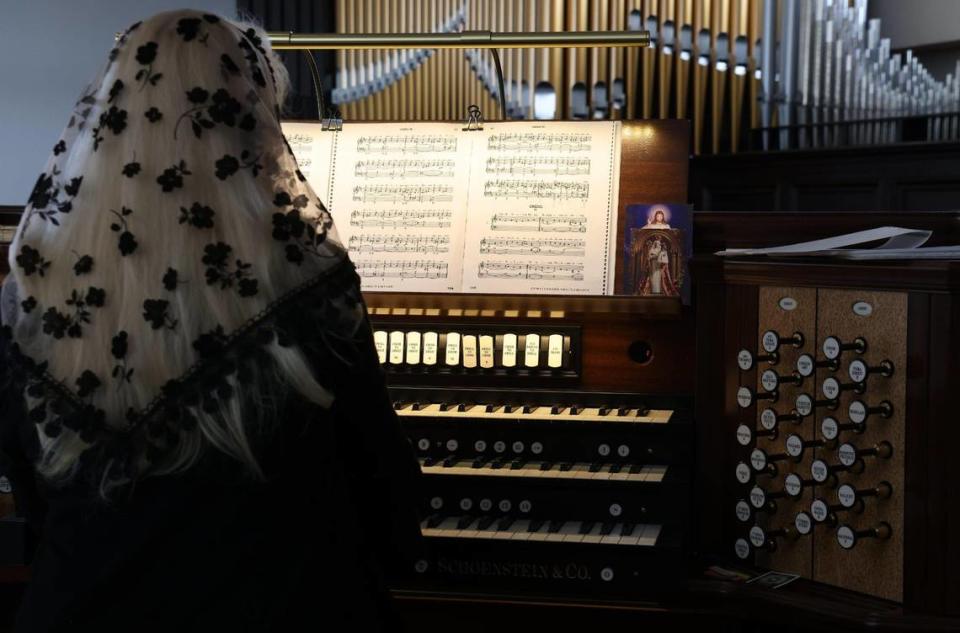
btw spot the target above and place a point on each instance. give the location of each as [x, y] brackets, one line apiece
[900, 243]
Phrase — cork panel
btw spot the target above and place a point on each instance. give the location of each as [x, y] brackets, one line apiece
[873, 566]
[786, 311]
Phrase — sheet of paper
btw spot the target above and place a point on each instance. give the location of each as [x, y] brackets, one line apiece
[896, 238]
[543, 200]
[399, 201]
[313, 148]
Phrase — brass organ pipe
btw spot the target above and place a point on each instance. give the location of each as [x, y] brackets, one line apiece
[531, 55]
[721, 25]
[666, 67]
[684, 18]
[632, 66]
[648, 59]
[701, 73]
[738, 21]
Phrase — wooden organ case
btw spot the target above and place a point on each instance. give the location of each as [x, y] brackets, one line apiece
[555, 432]
[829, 387]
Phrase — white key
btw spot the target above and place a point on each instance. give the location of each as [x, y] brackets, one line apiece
[602, 474]
[509, 353]
[380, 342]
[486, 351]
[555, 351]
[413, 348]
[633, 538]
[650, 534]
[469, 351]
[655, 473]
[518, 531]
[614, 537]
[565, 529]
[430, 346]
[571, 532]
[453, 349]
[396, 348]
[593, 536]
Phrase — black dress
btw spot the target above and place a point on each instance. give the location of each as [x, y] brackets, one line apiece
[212, 550]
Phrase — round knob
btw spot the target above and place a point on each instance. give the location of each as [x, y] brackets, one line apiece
[858, 370]
[847, 537]
[830, 428]
[746, 474]
[746, 396]
[744, 511]
[832, 388]
[848, 496]
[766, 539]
[745, 434]
[746, 359]
[760, 499]
[803, 523]
[795, 445]
[821, 471]
[858, 411]
[806, 365]
[833, 347]
[760, 460]
[849, 454]
[822, 512]
[771, 380]
[742, 548]
[772, 341]
[769, 418]
[793, 484]
[805, 404]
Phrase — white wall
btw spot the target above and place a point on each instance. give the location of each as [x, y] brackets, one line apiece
[49, 50]
[911, 23]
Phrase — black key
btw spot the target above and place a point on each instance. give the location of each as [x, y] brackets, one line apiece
[642, 410]
[622, 411]
[535, 525]
[635, 469]
[517, 464]
[508, 408]
[435, 520]
[400, 405]
[485, 522]
[418, 406]
[565, 466]
[627, 529]
[546, 465]
[574, 410]
[450, 461]
[444, 406]
[586, 526]
[429, 461]
[595, 467]
[505, 523]
[497, 463]
[615, 468]
[527, 409]
[479, 462]
[464, 522]
[603, 410]
[490, 408]
[606, 528]
[555, 526]
[555, 410]
[461, 408]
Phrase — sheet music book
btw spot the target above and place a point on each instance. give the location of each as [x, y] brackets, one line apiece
[899, 243]
[518, 207]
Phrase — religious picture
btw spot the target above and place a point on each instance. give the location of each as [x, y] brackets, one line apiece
[658, 241]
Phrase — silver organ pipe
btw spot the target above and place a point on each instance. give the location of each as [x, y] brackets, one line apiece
[783, 73]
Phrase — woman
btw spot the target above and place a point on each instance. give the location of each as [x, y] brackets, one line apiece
[193, 411]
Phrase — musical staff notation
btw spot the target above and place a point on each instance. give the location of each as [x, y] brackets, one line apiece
[377, 243]
[524, 189]
[401, 218]
[539, 222]
[519, 166]
[403, 194]
[299, 140]
[568, 247]
[527, 270]
[539, 142]
[406, 144]
[418, 269]
[405, 168]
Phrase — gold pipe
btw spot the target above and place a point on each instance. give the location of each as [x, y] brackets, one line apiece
[666, 65]
[647, 60]
[684, 18]
[701, 73]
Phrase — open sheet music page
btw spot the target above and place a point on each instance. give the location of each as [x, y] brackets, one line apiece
[313, 149]
[399, 201]
[543, 201]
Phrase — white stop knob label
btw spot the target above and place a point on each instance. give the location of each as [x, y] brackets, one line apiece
[744, 359]
[452, 445]
[743, 511]
[804, 404]
[757, 536]
[845, 537]
[421, 566]
[423, 444]
[603, 450]
[623, 450]
[536, 448]
[505, 505]
[615, 509]
[829, 429]
[857, 412]
[436, 503]
[743, 473]
[499, 446]
[758, 498]
[486, 505]
[847, 496]
[606, 574]
[805, 365]
[5, 487]
[758, 459]
[518, 447]
[830, 388]
[770, 341]
[525, 506]
[769, 380]
[803, 523]
[819, 510]
[768, 419]
[857, 370]
[466, 504]
[744, 397]
[480, 446]
[847, 454]
[793, 485]
[831, 347]
[794, 446]
[744, 435]
[742, 549]
[819, 471]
